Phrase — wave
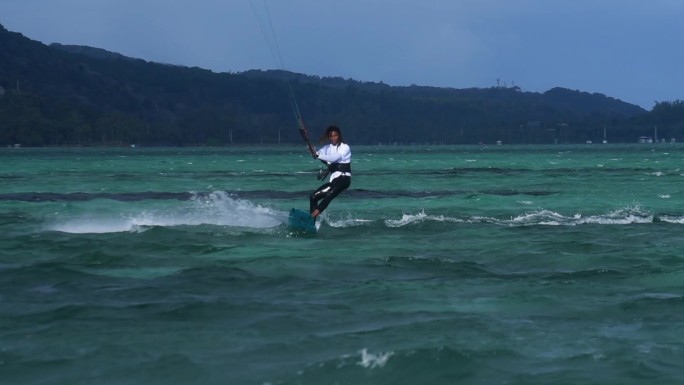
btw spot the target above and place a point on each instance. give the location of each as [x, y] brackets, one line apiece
[671, 218]
[221, 208]
[421, 365]
[217, 208]
[540, 217]
[407, 219]
[623, 216]
[543, 217]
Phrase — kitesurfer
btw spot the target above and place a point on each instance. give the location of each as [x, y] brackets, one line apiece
[337, 155]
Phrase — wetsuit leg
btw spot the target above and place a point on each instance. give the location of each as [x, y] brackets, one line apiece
[327, 192]
[317, 195]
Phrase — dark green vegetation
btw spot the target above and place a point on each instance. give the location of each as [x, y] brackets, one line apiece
[67, 95]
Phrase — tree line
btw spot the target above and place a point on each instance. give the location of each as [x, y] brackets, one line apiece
[81, 96]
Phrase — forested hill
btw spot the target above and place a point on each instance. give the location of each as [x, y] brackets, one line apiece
[73, 95]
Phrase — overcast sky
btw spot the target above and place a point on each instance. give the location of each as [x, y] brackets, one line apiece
[627, 49]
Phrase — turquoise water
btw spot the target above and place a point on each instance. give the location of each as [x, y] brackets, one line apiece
[440, 265]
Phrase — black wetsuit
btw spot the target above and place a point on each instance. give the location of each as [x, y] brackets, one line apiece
[339, 164]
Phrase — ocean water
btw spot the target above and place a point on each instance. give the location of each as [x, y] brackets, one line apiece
[440, 265]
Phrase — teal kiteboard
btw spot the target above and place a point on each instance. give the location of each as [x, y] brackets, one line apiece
[301, 221]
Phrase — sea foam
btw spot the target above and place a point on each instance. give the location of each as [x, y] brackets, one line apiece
[217, 208]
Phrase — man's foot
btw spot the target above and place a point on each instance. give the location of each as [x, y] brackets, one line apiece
[315, 214]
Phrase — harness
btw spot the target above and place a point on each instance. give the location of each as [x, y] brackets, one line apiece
[341, 167]
[333, 167]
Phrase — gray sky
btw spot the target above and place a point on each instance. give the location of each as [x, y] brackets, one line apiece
[626, 49]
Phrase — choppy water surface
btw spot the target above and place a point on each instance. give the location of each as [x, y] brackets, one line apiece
[440, 265]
